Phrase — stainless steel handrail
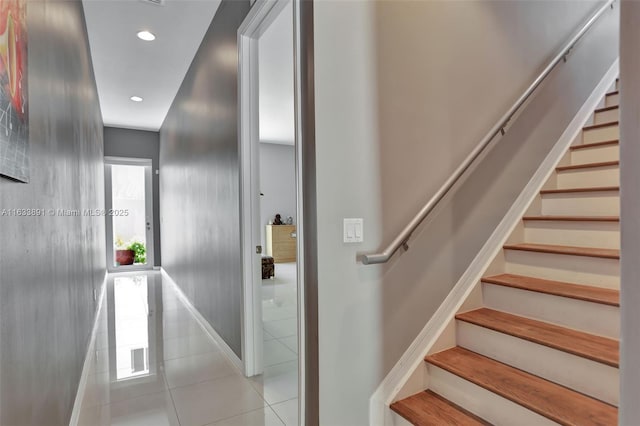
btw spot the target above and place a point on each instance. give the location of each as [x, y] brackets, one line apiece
[402, 239]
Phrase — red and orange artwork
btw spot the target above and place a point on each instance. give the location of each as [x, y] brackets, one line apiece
[14, 119]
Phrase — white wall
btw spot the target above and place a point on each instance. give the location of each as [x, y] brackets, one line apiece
[404, 90]
[275, 62]
[277, 183]
[630, 211]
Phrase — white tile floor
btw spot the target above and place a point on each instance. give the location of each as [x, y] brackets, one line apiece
[280, 357]
[154, 365]
[279, 308]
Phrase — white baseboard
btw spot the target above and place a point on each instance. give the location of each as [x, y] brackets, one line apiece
[231, 355]
[393, 383]
[82, 385]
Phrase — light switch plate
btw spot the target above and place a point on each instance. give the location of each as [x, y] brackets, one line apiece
[353, 230]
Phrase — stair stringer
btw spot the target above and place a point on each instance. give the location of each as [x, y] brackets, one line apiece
[410, 374]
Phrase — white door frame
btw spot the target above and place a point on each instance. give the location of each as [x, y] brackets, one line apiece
[261, 15]
[148, 185]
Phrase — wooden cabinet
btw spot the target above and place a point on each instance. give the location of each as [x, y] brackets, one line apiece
[281, 243]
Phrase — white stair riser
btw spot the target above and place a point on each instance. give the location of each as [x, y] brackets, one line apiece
[590, 317]
[592, 271]
[606, 116]
[491, 407]
[604, 203]
[583, 375]
[595, 154]
[397, 420]
[588, 178]
[612, 100]
[580, 234]
[601, 134]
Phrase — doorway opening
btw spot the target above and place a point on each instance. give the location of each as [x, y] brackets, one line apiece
[129, 214]
[270, 208]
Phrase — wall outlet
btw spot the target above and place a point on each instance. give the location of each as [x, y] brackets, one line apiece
[353, 230]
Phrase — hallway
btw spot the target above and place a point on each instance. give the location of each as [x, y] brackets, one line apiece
[155, 365]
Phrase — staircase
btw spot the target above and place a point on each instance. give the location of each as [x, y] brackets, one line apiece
[543, 347]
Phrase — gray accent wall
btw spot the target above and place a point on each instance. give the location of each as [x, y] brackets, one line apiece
[404, 90]
[199, 180]
[50, 266]
[277, 183]
[139, 144]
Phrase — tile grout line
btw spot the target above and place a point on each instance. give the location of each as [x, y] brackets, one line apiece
[279, 340]
[231, 356]
[169, 389]
[175, 409]
[144, 395]
[193, 354]
[244, 413]
[281, 363]
[278, 415]
[207, 337]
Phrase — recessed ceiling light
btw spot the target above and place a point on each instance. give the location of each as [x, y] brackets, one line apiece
[146, 36]
[136, 98]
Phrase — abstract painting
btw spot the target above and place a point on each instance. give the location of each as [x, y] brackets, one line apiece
[14, 117]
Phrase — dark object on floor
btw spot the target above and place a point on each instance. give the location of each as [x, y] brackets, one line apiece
[268, 268]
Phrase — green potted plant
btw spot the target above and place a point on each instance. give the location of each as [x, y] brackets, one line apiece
[140, 252]
[130, 253]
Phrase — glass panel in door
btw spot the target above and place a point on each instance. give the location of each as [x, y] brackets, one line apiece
[129, 215]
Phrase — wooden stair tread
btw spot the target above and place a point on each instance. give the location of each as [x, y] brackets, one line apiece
[594, 144]
[615, 92]
[589, 346]
[601, 125]
[573, 218]
[430, 409]
[609, 108]
[600, 295]
[555, 402]
[588, 166]
[568, 250]
[577, 190]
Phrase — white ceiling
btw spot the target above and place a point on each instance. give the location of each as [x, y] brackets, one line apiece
[126, 66]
